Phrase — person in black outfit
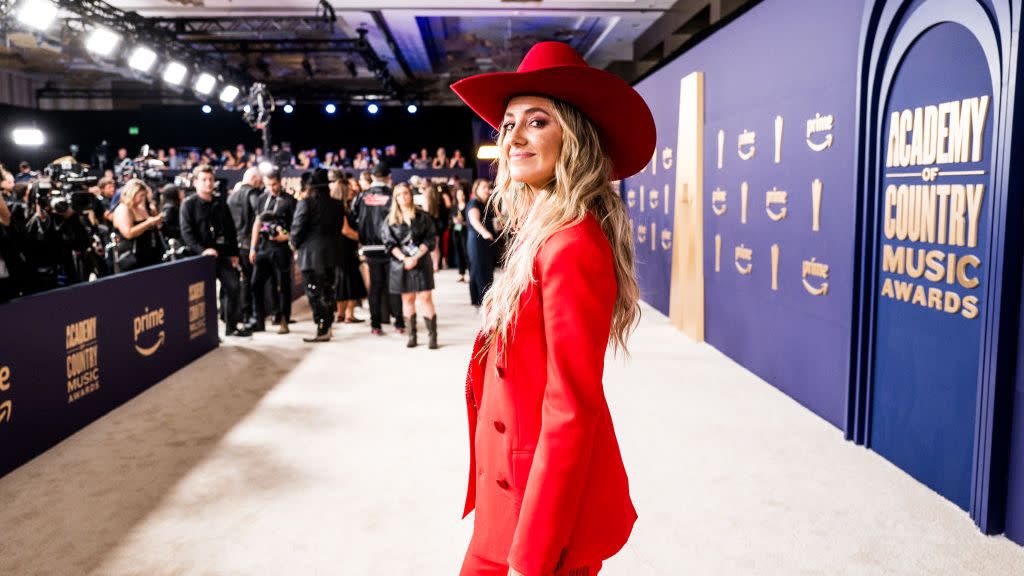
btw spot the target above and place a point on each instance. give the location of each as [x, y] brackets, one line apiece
[349, 285]
[138, 232]
[460, 229]
[314, 234]
[207, 229]
[171, 198]
[270, 254]
[369, 211]
[409, 237]
[483, 255]
[242, 203]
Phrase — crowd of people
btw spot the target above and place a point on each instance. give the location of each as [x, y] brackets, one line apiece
[357, 239]
[240, 158]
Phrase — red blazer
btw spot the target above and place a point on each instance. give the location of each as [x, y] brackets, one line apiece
[544, 441]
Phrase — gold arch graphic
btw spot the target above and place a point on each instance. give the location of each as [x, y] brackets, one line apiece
[816, 269]
[6, 408]
[744, 254]
[152, 349]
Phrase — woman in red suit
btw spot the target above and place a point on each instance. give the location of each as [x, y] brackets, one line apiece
[546, 478]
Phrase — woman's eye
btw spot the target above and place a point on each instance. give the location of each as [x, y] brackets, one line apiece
[507, 126]
[537, 123]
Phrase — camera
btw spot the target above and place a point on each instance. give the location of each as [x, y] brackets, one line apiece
[67, 187]
[271, 226]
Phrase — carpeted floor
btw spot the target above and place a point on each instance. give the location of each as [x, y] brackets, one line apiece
[271, 456]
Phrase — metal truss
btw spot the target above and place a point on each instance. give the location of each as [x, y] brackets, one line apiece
[262, 25]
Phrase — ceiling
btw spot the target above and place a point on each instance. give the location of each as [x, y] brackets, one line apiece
[413, 49]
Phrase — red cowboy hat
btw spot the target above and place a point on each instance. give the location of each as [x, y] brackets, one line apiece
[554, 69]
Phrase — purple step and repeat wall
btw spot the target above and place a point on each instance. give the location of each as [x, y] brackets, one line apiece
[782, 70]
[69, 356]
[882, 295]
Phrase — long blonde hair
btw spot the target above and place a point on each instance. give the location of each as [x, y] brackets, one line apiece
[396, 216]
[580, 186]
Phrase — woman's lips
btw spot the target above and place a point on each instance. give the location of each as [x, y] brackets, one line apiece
[521, 155]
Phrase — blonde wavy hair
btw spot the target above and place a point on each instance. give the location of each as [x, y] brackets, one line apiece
[581, 185]
[131, 189]
[396, 216]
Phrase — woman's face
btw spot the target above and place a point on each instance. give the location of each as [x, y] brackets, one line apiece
[441, 153]
[531, 140]
[140, 199]
[460, 195]
[403, 196]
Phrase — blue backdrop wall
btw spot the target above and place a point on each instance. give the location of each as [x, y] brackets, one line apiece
[883, 294]
[783, 59]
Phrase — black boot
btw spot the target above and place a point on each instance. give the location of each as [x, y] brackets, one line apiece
[410, 323]
[323, 333]
[432, 330]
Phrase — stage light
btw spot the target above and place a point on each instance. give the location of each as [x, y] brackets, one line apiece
[288, 109]
[142, 59]
[229, 93]
[174, 73]
[102, 42]
[38, 14]
[267, 168]
[373, 108]
[246, 108]
[330, 108]
[207, 109]
[487, 152]
[205, 83]
[412, 108]
[27, 136]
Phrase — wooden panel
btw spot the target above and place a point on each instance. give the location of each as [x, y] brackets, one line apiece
[687, 296]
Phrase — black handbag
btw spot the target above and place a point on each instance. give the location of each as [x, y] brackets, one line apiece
[126, 256]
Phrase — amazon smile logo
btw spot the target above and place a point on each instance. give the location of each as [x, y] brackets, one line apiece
[144, 325]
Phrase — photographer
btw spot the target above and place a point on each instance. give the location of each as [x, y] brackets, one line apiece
[207, 229]
[242, 203]
[54, 240]
[139, 243]
[270, 253]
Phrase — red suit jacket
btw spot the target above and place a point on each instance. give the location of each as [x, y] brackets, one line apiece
[544, 441]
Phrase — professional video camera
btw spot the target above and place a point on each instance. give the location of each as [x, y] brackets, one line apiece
[145, 167]
[66, 186]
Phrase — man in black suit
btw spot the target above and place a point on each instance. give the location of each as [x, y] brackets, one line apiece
[314, 234]
[208, 229]
[270, 253]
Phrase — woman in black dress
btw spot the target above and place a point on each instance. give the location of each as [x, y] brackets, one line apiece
[349, 282]
[409, 236]
[483, 254]
[460, 229]
[139, 241]
[439, 214]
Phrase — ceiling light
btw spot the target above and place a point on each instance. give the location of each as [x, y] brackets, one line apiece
[330, 108]
[412, 108]
[205, 83]
[288, 109]
[38, 14]
[487, 152]
[27, 136]
[373, 108]
[174, 73]
[229, 93]
[207, 109]
[142, 59]
[102, 42]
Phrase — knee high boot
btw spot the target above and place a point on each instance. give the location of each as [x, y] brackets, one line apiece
[410, 324]
[432, 330]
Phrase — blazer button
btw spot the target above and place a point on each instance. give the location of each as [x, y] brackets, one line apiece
[499, 426]
[503, 484]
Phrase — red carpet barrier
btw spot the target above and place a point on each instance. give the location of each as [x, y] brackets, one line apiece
[69, 356]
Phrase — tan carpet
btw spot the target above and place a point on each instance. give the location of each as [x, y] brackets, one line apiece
[270, 456]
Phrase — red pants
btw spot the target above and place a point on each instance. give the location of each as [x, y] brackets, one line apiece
[476, 566]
